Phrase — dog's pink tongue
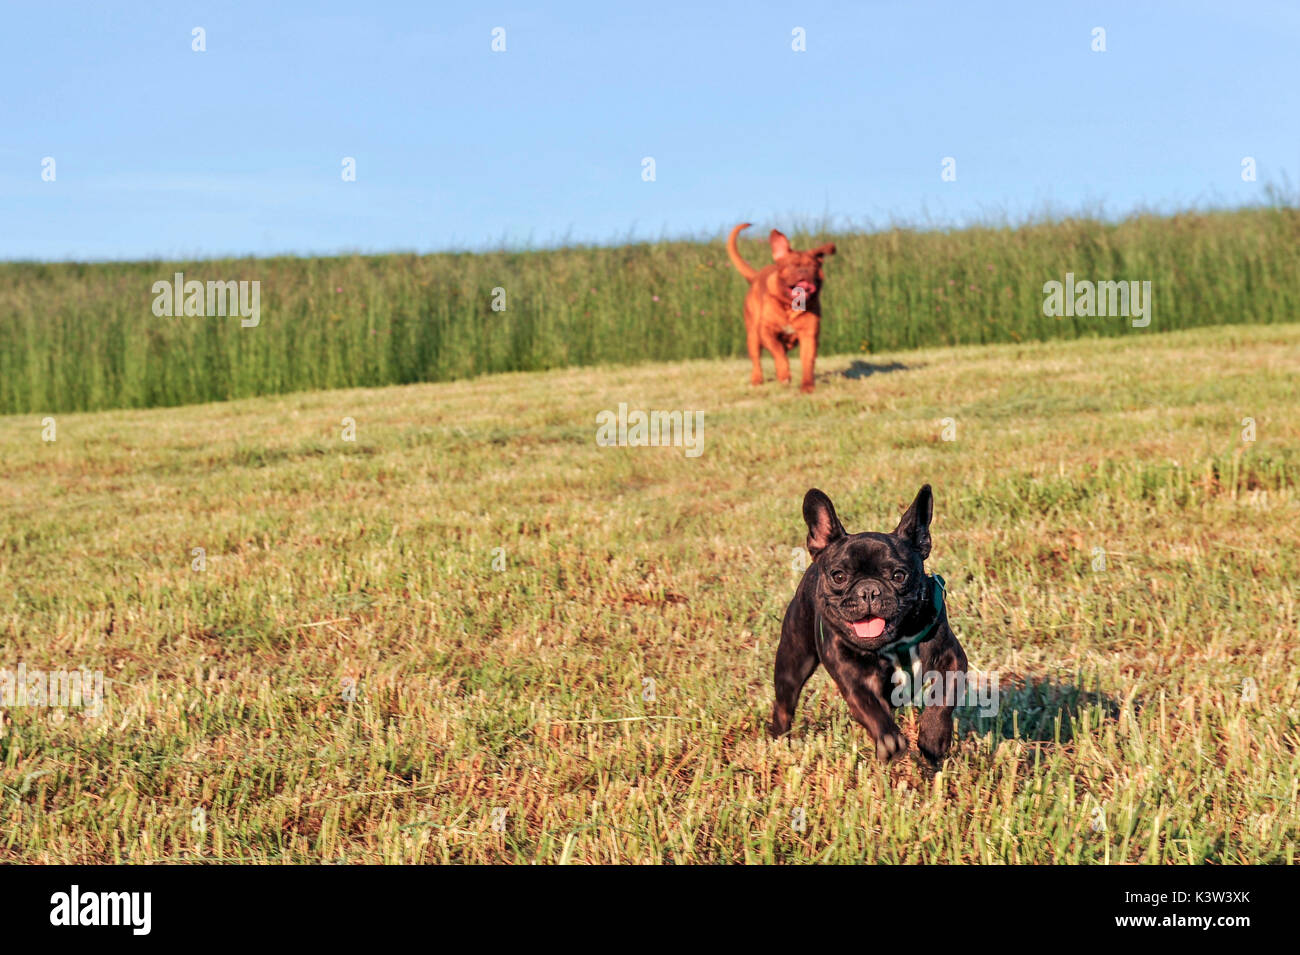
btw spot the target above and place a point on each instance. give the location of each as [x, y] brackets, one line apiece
[868, 629]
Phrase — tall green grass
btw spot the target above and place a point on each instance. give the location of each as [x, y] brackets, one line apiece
[83, 337]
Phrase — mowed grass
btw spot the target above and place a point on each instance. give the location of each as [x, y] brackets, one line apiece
[1149, 709]
[83, 337]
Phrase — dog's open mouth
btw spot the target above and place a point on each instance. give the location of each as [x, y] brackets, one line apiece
[869, 628]
[807, 287]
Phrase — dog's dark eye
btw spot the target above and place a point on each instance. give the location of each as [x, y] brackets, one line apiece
[837, 576]
[900, 576]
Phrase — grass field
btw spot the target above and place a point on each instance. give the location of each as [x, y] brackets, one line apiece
[431, 643]
[78, 337]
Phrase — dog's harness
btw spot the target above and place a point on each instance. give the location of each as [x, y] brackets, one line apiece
[905, 645]
[938, 592]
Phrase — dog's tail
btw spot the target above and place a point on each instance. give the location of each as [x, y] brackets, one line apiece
[733, 253]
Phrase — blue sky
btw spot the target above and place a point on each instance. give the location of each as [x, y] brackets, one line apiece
[162, 151]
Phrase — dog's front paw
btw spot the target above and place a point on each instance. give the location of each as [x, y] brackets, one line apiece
[934, 746]
[890, 746]
[806, 387]
[934, 735]
[755, 379]
[933, 755]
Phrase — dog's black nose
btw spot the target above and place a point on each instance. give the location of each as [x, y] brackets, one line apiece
[867, 591]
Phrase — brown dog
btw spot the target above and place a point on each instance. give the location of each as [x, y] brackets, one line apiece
[783, 306]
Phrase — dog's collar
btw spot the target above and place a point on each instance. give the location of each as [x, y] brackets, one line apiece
[906, 644]
[938, 591]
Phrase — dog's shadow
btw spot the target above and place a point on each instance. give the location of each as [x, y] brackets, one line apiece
[1041, 710]
[865, 369]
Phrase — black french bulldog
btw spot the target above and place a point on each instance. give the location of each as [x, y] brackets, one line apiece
[865, 608]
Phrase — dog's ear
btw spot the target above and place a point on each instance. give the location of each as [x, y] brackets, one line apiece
[824, 527]
[824, 250]
[915, 525]
[780, 245]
